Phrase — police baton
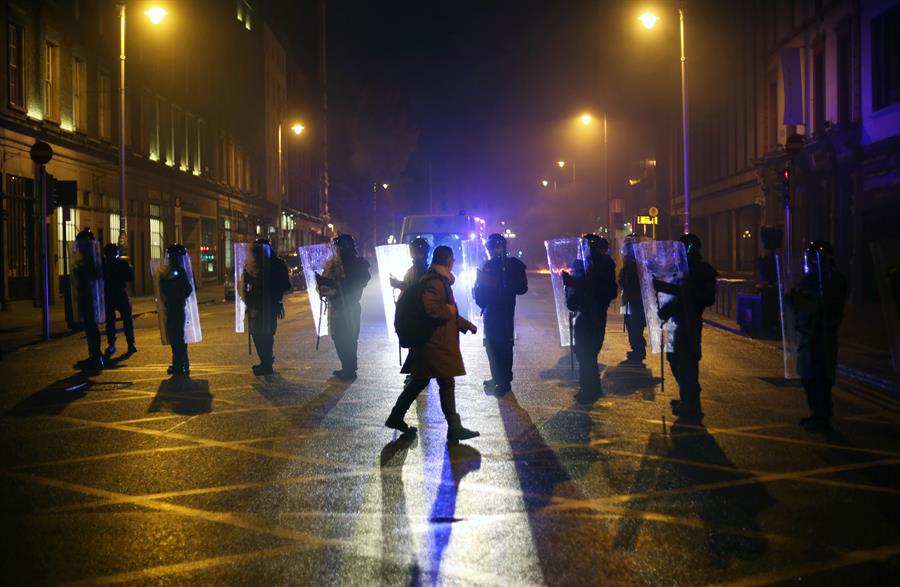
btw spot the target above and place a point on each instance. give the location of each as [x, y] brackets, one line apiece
[571, 341]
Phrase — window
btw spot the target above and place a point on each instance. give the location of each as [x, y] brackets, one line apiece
[51, 81]
[845, 77]
[198, 148]
[114, 225]
[104, 101]
[746, 238]
[154, 129]
[226, 224]
[772, 138]
[886, 59]
[15, 73]
[79, 94]
[190, 134]
[156, 233]
[177, 129]
[243, 13]
[819, 91]
[70, 227]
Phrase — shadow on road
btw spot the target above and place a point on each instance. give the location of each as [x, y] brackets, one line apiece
[459, 460]
[628, 378]
[396, 541]
[57, 396]
[310, 414]
[563, 372]
[728, 514]
[184, 396]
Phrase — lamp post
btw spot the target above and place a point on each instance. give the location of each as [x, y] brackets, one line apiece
[384, 186]
[649, 20]
[156, 15]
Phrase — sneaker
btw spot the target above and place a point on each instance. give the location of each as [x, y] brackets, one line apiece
[263, 370]
[400, 425]
[345, 375]
[489, 383]
[110, 350]
[502, 389]
[457, 433]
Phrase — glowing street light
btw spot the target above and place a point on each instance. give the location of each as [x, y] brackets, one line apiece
[298, 128]
[156, 14]
[545, 182]
[385, 185]
[561, 164]
[649, 20]
[586, 119]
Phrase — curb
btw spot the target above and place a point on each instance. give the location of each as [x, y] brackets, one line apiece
[849, 372]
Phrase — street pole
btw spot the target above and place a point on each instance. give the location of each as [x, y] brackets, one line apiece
[374, 215]
[684, 125]
[45, 257]
[123, 217]
[323, 75]
[606, 173]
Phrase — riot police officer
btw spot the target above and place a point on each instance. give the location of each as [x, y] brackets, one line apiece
[118, 273]
[343, 279]
[695, 293]
[418, 252]
[175, 288]
[265, 279]
[87, 285]
[590, 288]
[632, 302]
[818, 303]
[499, 280]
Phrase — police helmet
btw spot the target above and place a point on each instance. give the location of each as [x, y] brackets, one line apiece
[419, 245]
[111, 250]
[596, 242]
[85, 235]
[176, 250]
[344, 242]
[691, 243]
[496, 240]
[818, 252]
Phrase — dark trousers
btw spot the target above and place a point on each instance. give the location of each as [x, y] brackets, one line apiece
[686, 369]
[263, 333]
[589, 336]
[818, 396]
[414, 387]
[180, 362]
[500, 359]
[634, 325]
[123, 307]
[92, 333]
[345, 333]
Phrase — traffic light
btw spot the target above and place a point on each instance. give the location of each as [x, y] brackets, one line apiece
[786, 185]
[60, 193]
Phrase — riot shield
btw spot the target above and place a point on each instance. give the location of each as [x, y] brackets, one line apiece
[86, 280]
[313, 259]
[251, 278]
[561, 253]
[886, 257]
[160, 269]
[473, 256]
[393, 260]
[789, 343]
[664, 261]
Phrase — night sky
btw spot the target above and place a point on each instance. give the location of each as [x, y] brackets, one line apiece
[482, 92]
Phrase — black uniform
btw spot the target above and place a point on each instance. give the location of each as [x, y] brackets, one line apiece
[347, 275]
[175, 289]
[589, 293]
[818, 315]
[693, 295]
[118, 274]
[412, 275]
[85, 274]
[263, 293]
[635, 320]
[498, 283]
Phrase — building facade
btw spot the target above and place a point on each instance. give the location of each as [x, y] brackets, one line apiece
[207, 163]
[821, 75]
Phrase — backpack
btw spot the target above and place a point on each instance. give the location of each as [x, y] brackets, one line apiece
[413, 326]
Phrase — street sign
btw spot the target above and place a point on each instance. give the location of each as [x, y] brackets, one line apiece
[647, 220]
[41, 153]
[653, 212]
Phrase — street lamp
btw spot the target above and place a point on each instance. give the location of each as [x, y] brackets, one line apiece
[586, 119]
[561, 164]
[156, 16]
[545, 182]
[297, 128]
[649, 20]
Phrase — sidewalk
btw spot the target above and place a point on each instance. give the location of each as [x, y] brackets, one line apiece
[21, 324]
[862, 355]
